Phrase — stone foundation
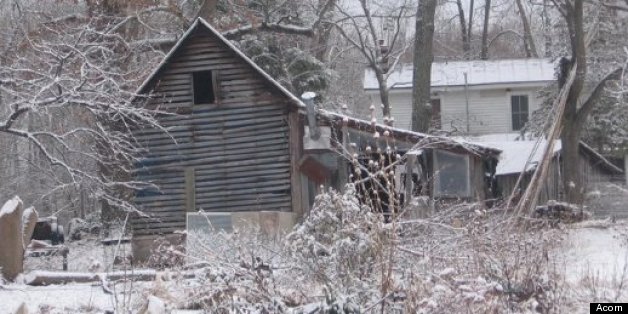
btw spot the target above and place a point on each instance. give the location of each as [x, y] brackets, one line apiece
[270, 223]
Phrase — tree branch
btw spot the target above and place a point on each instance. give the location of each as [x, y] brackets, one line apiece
[269, 27]
[589, 104]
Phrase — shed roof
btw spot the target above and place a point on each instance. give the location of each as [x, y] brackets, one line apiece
[479, 72]
[408, 136]
[201, 23]
[525, 155]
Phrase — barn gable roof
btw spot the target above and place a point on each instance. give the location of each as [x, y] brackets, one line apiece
[200, 23]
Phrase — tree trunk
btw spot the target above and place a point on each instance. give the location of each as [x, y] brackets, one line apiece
[383, 92]
[470, 28]
[208, 9]
[572, 179]
[466, 44]
[546, 33]
[423, 58]
[322, 31]
[528, 41]
[572, 176]
[487, 14]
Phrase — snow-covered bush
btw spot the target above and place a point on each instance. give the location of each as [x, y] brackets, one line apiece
[340, 241]
[343, 258]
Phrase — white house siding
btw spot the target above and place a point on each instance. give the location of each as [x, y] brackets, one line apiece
[489, 107]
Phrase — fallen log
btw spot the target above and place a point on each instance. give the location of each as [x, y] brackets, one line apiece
[46, 278]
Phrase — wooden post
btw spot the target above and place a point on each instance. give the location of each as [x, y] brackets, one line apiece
[626, 168]
[410, 160]
[295, 140]
[190, 189]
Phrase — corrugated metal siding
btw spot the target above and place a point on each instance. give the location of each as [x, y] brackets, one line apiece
[238, 148]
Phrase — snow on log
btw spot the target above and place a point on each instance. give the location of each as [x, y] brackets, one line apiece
[143, 275]
[11, 246]
[45, 278]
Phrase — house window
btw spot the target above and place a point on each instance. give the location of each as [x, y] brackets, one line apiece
[205, 87]
[519, 106]
[452, 175]
[436, 122]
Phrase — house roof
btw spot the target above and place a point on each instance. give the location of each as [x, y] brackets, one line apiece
[525, 155]
[408, 136]
[201, 23]
[479, 72]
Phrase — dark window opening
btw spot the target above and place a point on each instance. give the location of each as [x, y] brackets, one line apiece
[204, 87]
[452, 174]
[519, 106]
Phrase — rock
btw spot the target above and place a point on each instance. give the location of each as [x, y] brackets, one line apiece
[22, 309]
[561, 212]
[11, 240]
[29, 220]
[154, 305]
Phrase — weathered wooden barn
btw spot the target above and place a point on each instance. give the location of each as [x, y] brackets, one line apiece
[237, 146]
[233, 145]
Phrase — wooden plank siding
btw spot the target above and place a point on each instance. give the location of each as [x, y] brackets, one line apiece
[236, 151]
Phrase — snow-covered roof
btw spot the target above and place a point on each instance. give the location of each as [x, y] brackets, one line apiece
[410, 136]
[201, 22]
[515, 154]
[479, 72]
[524, 155]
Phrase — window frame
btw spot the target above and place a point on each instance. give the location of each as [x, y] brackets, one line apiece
[215, 86]
[519, 113]
[437, 191]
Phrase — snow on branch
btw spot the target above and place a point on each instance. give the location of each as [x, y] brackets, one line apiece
[68, 90]
[269, 27]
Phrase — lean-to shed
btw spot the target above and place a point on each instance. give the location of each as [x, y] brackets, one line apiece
[523, 156]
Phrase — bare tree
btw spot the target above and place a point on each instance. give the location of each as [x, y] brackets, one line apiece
[381, 53]
[578, 108]
[465, 27]
[66, 84]
[487, 14]
[528, 40]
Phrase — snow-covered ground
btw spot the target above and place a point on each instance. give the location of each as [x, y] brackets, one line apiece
[599, 252]
[71, 298]
[592, 257]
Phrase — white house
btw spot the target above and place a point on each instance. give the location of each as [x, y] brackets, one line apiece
[472, 97]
